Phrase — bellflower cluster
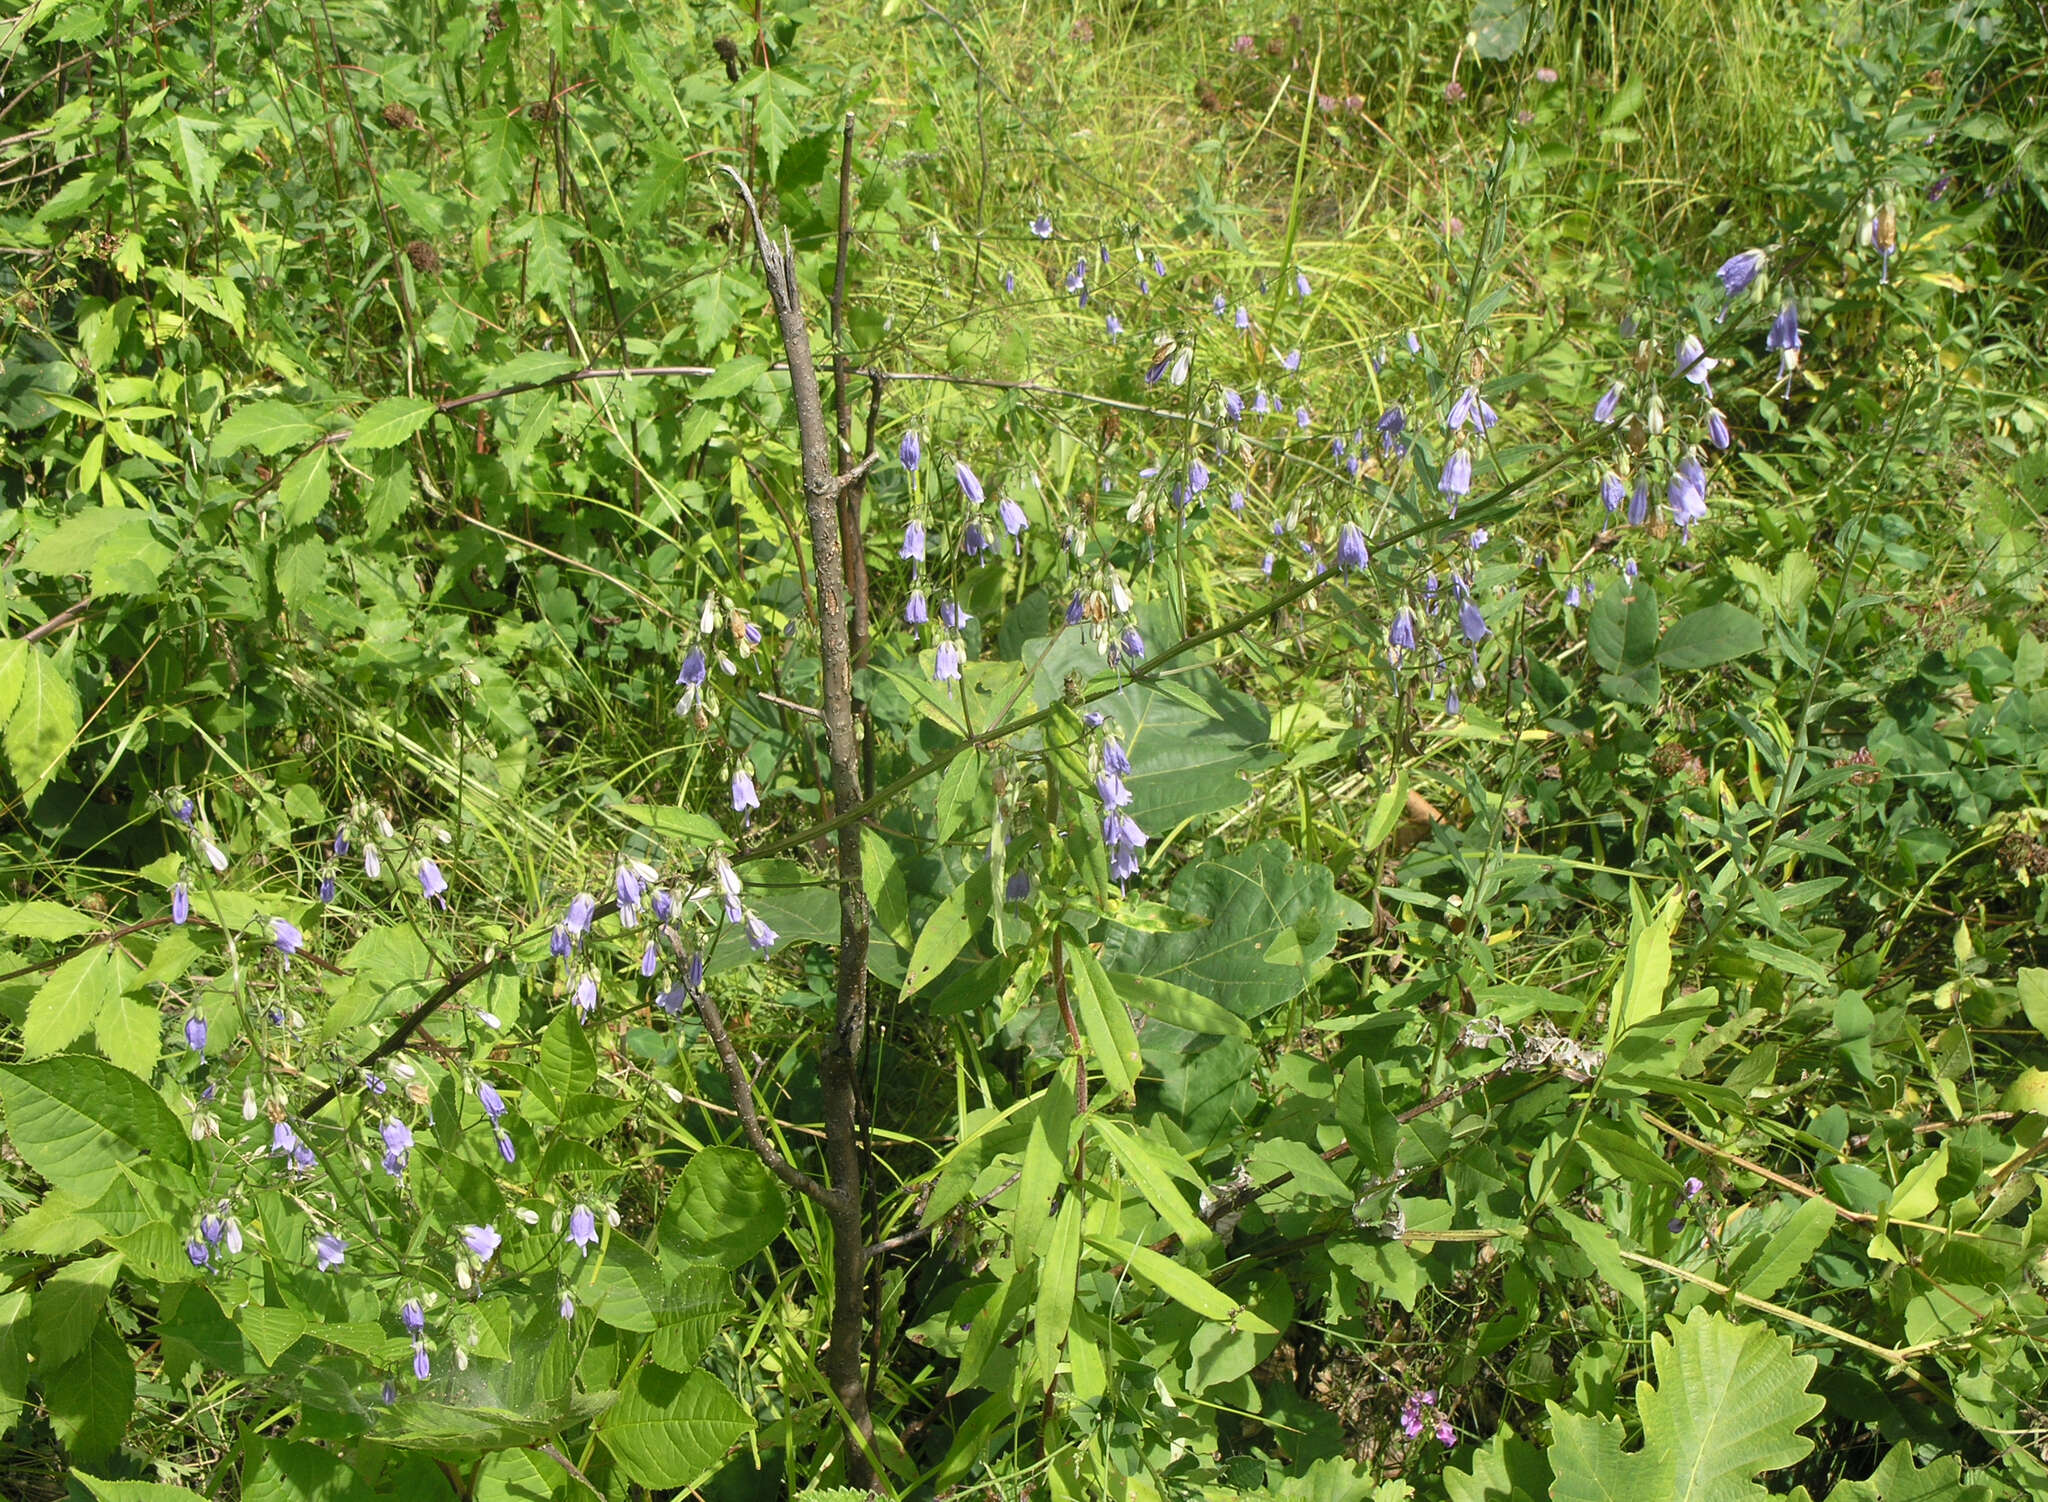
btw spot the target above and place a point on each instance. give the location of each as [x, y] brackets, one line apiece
[1120, 832]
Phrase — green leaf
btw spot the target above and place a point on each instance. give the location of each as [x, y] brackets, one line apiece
[90, 1397]
[1781, 1258]
[302, 493]
[1259, 900]
[697, 1300]
[550, 268]
[731, 378]
[269, 427]
[1177, 1005]
[1143, 1164]
[1499, 28]
[672, 1430]
[76, 1119]
[1706, 638]
[1622, 634]
[1058, 1268]
[1111, 1041]
[726, 1207]
[45, 920]
[1182, 1284]
[66, 1004]
[946, 932]
[388, 424]
[566, 1062]
[14, 1343]
[67, 1304]
[1603, 1250]
[271, 1331]
[2033, 988]
[134, 1491]
[1646, 968]
[1897, 1479]
[44, 724]
[1728, 1404]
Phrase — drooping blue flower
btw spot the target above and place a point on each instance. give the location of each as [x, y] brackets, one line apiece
[1266, 565]
[1233, 405]
[397, 1146]
[1694, 363]
[412, 1316]
[482, 1242]
[745, 798]
[185, 811]
[582, 909]
[1451, 704]
[1125, 840]
[970, 483]
[584, 996]
[197, 1252]
[286, 938]
[1302, 420]
[1687, 494]
[582, 1229]
[910, 450]
[1132, 643]
[1471, 407]
[913, 544]
[650, 960]
[946, 659]
[1301, 288]
[1220, 306]
[1244, 318]
[1198, 477]
[181, 903]
[1783, 338]
[493, 1102]
[1738, 271]
[915, 612]
[1605, 408]
[1456, 479]
[211, 1228]
[505, 1147]
[974, 540]
[1572, 597]
[1017, 886]
[1392, 424]
[1612, 491]
[759, 934]
[692, 674]
[1401, 635]
[1639, 502]
[1113, 325]
[1236, 502]
[1261, 403]
[195, 1034]
[1009, 281]
[1351, 552]
[1042, 226]
[1291, 361]
[432, 883]
[1472, 623]
[329, 1251]
[951, 616]
[373, 863]
[1717, 428]
[1011, 515]
[327, 887]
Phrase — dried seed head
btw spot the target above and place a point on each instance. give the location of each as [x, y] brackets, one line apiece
[425, 259]
[401, 117]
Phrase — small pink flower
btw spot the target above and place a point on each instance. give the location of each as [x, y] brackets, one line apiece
[1546, 75]
[1454, 92]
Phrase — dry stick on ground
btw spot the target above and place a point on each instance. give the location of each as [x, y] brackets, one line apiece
[839, 1073]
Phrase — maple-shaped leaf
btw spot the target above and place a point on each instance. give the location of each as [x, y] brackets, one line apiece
[1728, 1405]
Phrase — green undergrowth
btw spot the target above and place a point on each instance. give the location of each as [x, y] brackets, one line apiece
[1603, 1052]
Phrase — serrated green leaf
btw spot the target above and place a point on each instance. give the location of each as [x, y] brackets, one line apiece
[68, 1302]
[672, 1430]
[134, 1491]
[130, 1034]
[731, 378]
[269, 427]
[76, 1119]
[45, 920]
[66, 1004]
[725, 1207]
[43, 725]
[388, 424]
[302, 493]
[90, 1397]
